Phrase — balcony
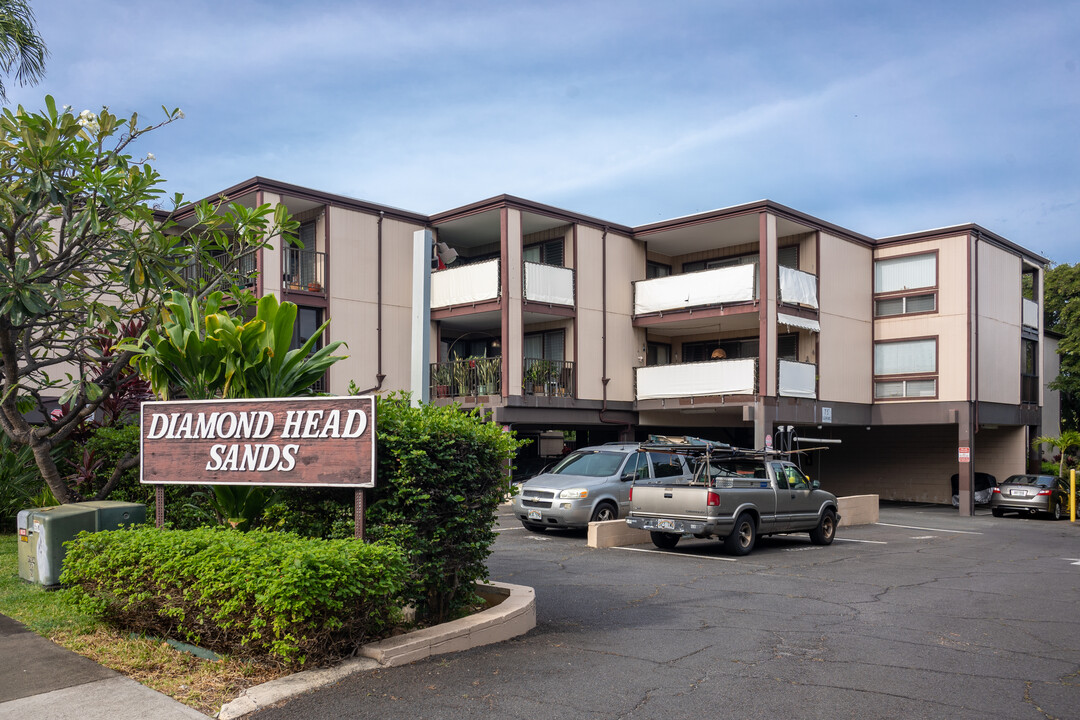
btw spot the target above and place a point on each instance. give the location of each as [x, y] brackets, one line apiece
[553, 378]
[240, 272]
[466, 378]
[549, 284]
[1030, 313]
[798, 287]
[304, 270]
[465, 284]
[715, 377]
[798, 379]
[720, 286]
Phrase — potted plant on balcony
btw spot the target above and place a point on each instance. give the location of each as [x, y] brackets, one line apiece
[487, 374]
[314, 287]
[440, 378]
[462, 371]
[539, 374]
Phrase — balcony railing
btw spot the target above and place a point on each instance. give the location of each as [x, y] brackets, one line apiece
[554, 378]
[798, 379]
[715, 377]
[465, 284]
[707, 287]
[304, 270]
[240, 272]
[549, 284]
[798, 287]
[1030, 312]
[466, 378]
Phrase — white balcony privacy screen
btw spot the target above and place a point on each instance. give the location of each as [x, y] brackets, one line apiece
[798, 379]
[1031, 313]
[798, 287]
[549, 284]
[720, 377]
[709, 287]
[466, 284]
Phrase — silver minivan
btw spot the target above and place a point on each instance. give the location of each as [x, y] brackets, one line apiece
[591, 484]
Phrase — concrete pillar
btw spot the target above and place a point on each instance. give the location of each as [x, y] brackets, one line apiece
[966, 439]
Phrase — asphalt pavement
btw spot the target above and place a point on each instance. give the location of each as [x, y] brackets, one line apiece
[923, 615]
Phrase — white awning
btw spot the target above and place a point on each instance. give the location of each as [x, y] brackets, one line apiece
[799, 322]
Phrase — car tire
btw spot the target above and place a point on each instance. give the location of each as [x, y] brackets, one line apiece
[997, 512]
[533, 528]
[604, 512]
[1057, 511]
[825, 531]
[663, 540]
[740, 541]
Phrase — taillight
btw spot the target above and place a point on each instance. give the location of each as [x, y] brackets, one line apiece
[1044, 492]
[713, 499]
[631, 493]
[997, 491]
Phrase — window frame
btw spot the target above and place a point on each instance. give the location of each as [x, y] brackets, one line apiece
[927, 290]
[905, 378]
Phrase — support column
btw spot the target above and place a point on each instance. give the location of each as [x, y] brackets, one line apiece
[966, 439]
[764, 418]
[420, 375]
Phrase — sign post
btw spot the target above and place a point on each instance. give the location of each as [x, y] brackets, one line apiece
[308, 442]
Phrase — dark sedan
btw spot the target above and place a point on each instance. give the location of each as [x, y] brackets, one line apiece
[1031, 494]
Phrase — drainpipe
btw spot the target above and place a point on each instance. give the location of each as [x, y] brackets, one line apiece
[604, 379]
[379, 376]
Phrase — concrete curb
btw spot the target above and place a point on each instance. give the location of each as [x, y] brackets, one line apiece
[514, 615]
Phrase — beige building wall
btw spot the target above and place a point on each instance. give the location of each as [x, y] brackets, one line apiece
[354, 299]
[999, 300]
[949, 324]
[845, 352]
[269, 282]
[513, 349]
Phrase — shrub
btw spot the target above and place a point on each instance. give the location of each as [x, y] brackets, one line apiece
[20, 480]
[250, 594]
[442, 473]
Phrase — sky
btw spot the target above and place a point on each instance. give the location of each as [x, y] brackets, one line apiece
[882, 117]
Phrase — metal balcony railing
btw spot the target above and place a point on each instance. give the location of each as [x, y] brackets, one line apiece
[240, 272]
[554, 378]
[466, 378]
[304, 270]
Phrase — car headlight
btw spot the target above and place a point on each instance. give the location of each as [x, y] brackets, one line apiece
[574, 493]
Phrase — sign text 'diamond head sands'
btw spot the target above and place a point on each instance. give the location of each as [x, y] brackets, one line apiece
[326, 441]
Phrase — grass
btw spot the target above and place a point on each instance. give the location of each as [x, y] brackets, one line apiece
[202, 684]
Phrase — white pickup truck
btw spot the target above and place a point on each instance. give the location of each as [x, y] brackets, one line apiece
[735, 495]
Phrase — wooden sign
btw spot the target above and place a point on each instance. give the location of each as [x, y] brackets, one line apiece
[319, 442]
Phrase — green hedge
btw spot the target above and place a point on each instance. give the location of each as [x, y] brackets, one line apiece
[247, 594]
[442, 473]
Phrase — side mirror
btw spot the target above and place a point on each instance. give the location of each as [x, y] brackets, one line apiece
[627, 477]
[814, 485]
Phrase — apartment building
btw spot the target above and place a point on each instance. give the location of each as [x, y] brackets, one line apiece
[910, 358]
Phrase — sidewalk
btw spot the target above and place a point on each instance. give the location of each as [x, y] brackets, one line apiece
[41, 680]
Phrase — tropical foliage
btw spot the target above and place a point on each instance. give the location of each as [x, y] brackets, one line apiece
[1061, 298]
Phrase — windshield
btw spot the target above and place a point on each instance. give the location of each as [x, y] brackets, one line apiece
[589, 464]
[1043, 481]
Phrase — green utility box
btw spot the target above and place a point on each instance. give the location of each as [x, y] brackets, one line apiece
[43, 532]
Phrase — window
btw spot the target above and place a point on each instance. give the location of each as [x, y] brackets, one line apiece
[637, 466]
[656, 270]
[1029, 371]
[308, 320]
[550, 345]
[897, 278]
[787, 349]
[788, 257]
[905, 357]
[665, 465]
[658, 354]
[887, 307]
[546, 253]
[719, 263]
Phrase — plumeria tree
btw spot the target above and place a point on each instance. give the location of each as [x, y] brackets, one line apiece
[85, 249]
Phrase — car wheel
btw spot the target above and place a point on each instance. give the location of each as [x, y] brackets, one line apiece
[1057, 512]
[824, 533]
[603, 512]
[741, 539]
[998, 512]
[534, 528]
[663, 540]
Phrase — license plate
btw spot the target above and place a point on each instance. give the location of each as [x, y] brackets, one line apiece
[665, 524]
[534, 515]
[1019, 493]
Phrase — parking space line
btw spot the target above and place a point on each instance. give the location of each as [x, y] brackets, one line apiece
[871, 542]
[916, 527]
[509, 528]
[680, 554]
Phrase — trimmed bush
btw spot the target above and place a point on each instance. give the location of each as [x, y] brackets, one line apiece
[251, 594]
[442, 473]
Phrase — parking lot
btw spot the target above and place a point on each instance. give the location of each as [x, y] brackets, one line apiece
[922, 615]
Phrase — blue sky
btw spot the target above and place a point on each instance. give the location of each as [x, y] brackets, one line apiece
[883, 117]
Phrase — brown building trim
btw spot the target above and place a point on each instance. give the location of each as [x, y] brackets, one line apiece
[549, 309]
[704, 311]
[511, 201]
[965, 229]
[504, 293]
[452, 311]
